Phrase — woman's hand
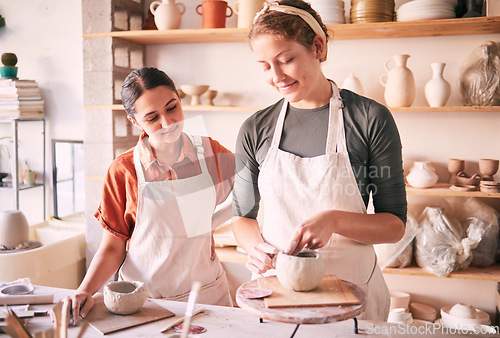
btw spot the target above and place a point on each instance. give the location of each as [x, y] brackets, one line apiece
[80, 304]
[261, 258]
[312, 234]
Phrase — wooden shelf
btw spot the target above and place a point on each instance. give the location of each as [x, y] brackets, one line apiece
[184, 107]
[443, 189]
[447, 109]
[379, 30]
[490, 273]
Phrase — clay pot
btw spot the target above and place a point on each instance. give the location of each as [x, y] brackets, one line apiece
[123, 297]
[246, 10]
[399, 82]
[454, 167]
[14, 229]
[210, 96]
[437, 89]
[167, 13]
[302, 272]
[422, 175]
[463, 179]
[353, 84]
[214, 13]
[488, 168]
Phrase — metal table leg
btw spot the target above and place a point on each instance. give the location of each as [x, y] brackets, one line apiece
[355, 325]
[295, 331]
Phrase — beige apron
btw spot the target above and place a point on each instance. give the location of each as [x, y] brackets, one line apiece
[294, 188]
[171, 243]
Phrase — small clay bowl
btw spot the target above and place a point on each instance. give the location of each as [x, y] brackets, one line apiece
[124, 297]
[463, 180]
[302, 272]
[488, 167]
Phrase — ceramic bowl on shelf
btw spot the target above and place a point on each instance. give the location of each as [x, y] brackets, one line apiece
[195, 91]
[400, 315]
[210, 95]
[423, 312]
[399, 299]
[463, 315]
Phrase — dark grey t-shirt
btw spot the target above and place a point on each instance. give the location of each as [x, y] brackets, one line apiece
[373, 145]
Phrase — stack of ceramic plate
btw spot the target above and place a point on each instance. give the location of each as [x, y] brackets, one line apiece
[464, 316]
[490, 186]
[363, 11]
[331, 11]
[426, 9]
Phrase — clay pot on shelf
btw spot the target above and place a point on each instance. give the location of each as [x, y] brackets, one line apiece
[422, 175]
[214, 13]
[195, 91]
[437, 89]
[353, 84]
[399, 82]
[488, 168]
[246, 10]
[210, 96]
[455, 166]
[167, 13]
[463, 179]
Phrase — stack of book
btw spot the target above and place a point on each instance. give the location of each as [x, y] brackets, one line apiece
[20, 98]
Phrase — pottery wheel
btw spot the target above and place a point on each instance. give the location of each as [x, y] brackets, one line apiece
[302, 315]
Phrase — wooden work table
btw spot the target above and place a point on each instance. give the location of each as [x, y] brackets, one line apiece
[231, 322]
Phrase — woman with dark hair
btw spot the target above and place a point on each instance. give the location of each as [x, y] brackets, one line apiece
[312, 160]
[158, 202]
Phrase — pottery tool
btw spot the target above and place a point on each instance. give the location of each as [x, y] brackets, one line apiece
[26, 299]
[180, 320]
[193, 295]
[14, 327]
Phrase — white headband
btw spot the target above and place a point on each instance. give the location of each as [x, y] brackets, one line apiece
[304, 15]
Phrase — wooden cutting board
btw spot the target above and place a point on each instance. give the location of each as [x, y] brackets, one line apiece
[106, 322]
[331, 291]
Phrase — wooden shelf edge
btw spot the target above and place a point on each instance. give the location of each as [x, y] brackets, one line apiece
[378, 30]
[184, 107]
[490, 273]
[447, 109]
[443, 189]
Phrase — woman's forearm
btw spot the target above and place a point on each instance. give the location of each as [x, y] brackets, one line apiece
[247, 232]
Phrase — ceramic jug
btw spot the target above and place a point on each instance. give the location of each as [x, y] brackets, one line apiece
[437, 89]
[246, 10]
[214, 13]
[422, 175]
[398, 82]
[167, 13]
[353, 84]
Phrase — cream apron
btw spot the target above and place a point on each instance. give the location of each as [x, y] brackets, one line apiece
[294, 188]
[171, 242]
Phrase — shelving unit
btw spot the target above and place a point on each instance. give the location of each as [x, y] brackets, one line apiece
[16, 185]
[185, 108]
[443, 189]
[379, 30]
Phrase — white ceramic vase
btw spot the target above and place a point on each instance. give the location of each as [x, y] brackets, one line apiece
[398, 82]
[437, 89]
[167, 13]
[422, 175]
[353, 84]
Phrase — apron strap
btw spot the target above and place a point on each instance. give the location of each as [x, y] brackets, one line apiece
[138, 166]
[336, 142]
[200, 151]
[279, 126]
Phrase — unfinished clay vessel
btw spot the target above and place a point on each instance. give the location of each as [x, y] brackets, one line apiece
[14, 229]
[488, 168]
[124, 297]
[463, 179]
[302, 272]
[455, 166]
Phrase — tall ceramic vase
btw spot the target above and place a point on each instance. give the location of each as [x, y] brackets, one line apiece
[437, 89]
[398, 82]
[167, 13]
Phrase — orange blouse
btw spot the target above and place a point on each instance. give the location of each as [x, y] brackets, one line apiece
[118, 208]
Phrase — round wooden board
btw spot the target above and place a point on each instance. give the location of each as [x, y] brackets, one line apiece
[302, 315]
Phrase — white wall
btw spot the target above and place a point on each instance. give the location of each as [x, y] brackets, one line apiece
[46, 35]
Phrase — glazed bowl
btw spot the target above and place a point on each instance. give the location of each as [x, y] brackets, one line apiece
[302, 272]
[14, 229]
[124, 297]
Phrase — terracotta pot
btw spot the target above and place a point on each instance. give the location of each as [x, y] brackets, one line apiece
[302, 272]
[214, 13]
